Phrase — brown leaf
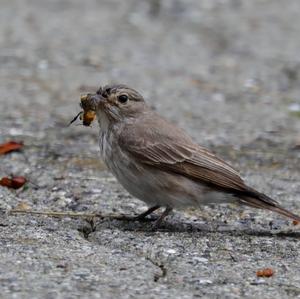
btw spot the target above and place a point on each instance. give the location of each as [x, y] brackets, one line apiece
[13, 182]
[10, 147]
[6, 182]
[295, 222]
[18, 182]
[267, 272]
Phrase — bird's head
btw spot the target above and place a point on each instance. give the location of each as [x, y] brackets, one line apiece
[114, 103]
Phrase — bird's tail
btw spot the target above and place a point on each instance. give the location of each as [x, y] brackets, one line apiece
[262, 201]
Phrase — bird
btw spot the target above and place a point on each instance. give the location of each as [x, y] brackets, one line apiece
[159, 163]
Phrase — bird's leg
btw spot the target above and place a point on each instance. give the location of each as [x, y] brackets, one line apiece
[142, 216]
[158, 222]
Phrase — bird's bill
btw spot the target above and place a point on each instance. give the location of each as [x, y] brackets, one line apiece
[91, 101]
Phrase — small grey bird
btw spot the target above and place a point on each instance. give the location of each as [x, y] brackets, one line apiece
[159, 163]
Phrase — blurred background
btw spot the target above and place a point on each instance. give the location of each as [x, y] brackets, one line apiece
[227, 71]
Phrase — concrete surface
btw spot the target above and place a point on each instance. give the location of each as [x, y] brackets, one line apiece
[227, 71]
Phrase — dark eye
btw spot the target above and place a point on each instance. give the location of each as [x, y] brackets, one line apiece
[123, 98]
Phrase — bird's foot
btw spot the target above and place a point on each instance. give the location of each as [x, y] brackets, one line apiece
[158, 222]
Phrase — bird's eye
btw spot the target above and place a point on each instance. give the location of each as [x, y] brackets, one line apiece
[123, 98]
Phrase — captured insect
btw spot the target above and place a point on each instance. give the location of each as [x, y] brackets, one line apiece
[87, 115]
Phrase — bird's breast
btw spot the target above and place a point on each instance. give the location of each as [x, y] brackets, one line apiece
[105, 144]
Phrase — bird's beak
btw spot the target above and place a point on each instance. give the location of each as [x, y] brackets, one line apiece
[91, 101]
[96, 100]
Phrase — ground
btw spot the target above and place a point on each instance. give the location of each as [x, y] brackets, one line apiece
[226, 71]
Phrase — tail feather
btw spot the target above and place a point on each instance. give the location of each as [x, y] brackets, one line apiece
[262, 201]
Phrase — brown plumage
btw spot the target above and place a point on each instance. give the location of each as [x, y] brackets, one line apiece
[159, 163]
[168, 148]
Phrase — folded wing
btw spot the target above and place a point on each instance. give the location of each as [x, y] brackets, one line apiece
[168, 148]
[171, 150]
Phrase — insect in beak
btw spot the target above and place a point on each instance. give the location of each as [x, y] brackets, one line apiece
[88, 114]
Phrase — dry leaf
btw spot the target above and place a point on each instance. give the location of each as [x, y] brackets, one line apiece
[267, 272]
[295, 222]
[10, 147]
[13, 182]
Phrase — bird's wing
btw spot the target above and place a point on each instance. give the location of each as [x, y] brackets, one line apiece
[167, 148]
[170, 149]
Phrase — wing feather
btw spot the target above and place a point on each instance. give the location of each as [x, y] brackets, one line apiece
[170, 149]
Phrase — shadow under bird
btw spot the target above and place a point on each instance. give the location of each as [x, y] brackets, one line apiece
[159, 163]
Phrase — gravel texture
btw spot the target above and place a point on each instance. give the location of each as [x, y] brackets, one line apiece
[227, 71]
